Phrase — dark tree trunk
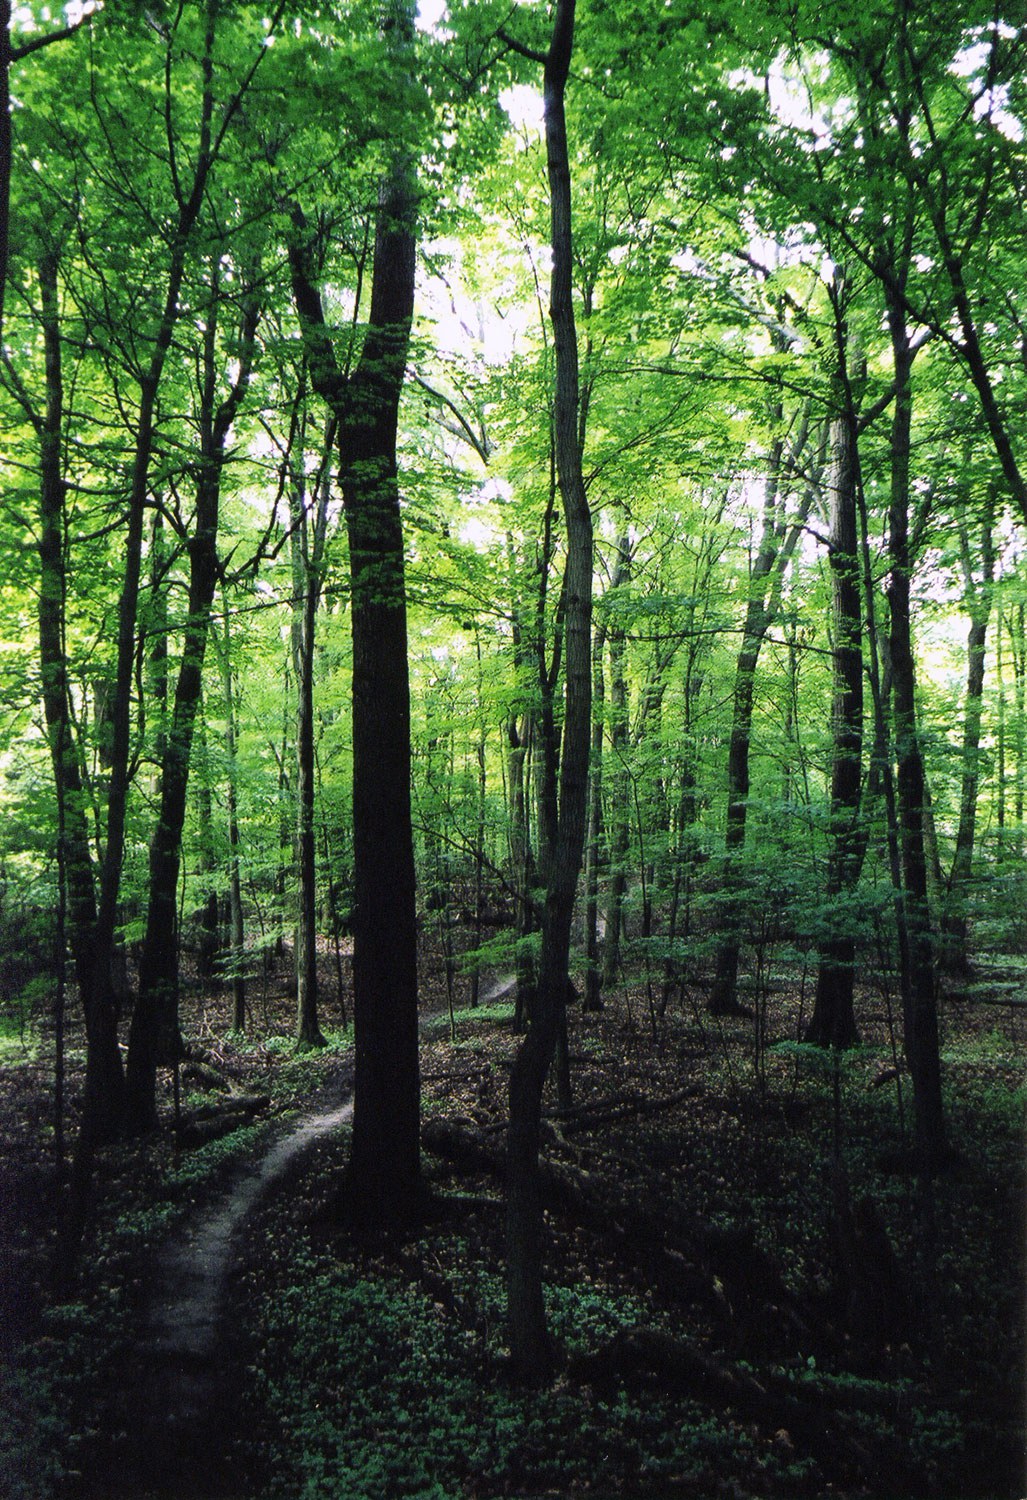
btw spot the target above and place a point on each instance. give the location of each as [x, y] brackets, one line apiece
[236, 919]
[384, 1173]
[593, 999]
[103, 1115]
[207, 916]
[522, 864]
[955, 925]
[833, 1023]
[308, 541]
[618, 783]
[384, 1176]
[1018, 646]
[920, 1008]
[530, 1345]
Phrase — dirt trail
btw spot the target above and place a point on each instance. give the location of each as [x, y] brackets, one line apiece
[186, 1397]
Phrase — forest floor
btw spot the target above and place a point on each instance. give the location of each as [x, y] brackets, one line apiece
[751, 1291]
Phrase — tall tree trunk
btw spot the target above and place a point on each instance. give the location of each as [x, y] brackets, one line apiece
[103, 1115]
[522, 861]
[207, 915]
[384, 1177]
[978, 598]
[481, 788]
[236, 917]
[308, 542]
[1018, 648]
[833, 1023]
[384, 1171]
[619, 782]
[921, 1016]
[593, 999]
[777, 543]
[531, 1350]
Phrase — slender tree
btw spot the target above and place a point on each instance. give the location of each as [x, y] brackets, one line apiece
[978, 597]
[154, 1038]
[833, 1022]
[530, 1345]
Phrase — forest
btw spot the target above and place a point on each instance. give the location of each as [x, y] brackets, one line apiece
[513, 749]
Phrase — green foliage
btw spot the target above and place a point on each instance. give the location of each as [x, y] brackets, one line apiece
[360, 1414]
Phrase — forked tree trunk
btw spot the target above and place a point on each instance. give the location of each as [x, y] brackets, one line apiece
[384, 1176]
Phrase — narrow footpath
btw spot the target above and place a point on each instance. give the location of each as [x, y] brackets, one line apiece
[186, 1397]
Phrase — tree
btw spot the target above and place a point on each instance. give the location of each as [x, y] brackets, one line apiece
[154, 1038]
[309, 527]
[978, 597]
[779, 535]
[530, 1347]
[833, 1021]
[384, 1170]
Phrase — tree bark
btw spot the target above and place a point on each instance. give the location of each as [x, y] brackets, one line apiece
[308, 542]
[955, 927]
[833, 1023]
[530, 1346]
[593, 998]
[777, 543]
[236, 917]
[920, 1009]
[619, 781]
[103, 1113]
[383, 1179]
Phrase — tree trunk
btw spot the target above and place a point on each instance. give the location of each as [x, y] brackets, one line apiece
[593, 999]
[522, 864]
[955, 925]
[103, 1114]
[833, 1023]
[384, 1171]
[619, 782]
[1018, 648]
[530, 1346]
[236, 922]
[921, 1016]
[777, 543]
[307, 559]
[384, 1176]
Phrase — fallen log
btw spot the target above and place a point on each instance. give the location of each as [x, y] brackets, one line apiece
[652, 1356]
[210, 1122]
[620, 1107]
[742, 1285]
